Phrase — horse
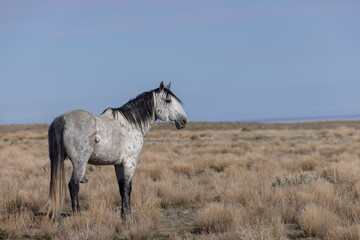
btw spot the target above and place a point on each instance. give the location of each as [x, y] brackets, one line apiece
[114, 137]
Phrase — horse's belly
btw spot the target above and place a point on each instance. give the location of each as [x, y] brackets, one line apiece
[102, 155]
[96, 160]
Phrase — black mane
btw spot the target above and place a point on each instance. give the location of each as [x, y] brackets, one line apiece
[140, 109]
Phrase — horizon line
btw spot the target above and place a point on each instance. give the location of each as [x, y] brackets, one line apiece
[330, 118]
[349, 117]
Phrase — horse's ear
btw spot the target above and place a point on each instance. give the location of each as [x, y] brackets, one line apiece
[161, 86]
[169, 85]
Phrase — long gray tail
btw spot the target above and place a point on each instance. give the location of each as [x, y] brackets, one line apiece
[57, 154]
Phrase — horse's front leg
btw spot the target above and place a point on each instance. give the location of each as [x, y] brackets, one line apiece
[124, 174]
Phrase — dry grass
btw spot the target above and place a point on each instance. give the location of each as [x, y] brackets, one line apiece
[208, 181]
[317, 221]
[214, 218]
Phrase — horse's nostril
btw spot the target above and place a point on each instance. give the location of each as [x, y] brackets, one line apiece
[184, 120]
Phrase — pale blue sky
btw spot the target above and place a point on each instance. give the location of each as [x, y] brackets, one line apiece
[227, 60]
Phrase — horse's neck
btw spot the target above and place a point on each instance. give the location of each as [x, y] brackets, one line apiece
[146, 127]
[146, 123]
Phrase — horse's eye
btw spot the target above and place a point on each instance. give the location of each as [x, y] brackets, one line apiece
[168, 101]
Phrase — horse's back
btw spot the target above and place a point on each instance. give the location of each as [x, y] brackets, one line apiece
[78, 118]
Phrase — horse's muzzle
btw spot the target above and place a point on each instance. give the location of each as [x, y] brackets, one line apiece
[182, 123]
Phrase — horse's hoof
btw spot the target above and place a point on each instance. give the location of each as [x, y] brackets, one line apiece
[76, 212]
[84, 180]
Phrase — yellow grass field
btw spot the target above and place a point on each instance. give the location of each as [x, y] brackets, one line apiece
[207, 181]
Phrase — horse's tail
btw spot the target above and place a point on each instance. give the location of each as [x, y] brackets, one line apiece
[57, 154]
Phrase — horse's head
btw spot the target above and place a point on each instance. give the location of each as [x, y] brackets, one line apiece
[168, 107]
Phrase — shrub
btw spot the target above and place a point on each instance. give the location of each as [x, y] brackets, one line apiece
[317, 221]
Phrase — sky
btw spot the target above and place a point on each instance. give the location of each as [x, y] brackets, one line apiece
[226, 60]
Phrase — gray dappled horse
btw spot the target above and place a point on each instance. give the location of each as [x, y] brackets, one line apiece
[113, 138]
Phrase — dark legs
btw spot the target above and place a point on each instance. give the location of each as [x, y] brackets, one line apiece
[123, 174]
[74, 184]
[125, 191]
[74, 187]
[124, 181]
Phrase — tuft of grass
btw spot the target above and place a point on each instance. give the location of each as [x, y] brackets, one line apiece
[342, 172]
[142, 225]
[186, 169]
[194, 137]
[214, 218]
[309, 163]
[89, 225]
[318, 221]
[219, 165]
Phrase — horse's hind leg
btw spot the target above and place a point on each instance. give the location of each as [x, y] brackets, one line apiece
[74, 184]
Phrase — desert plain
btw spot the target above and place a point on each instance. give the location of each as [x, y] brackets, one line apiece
[207, 181]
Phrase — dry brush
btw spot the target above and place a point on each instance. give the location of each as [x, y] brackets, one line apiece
[209, 181]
